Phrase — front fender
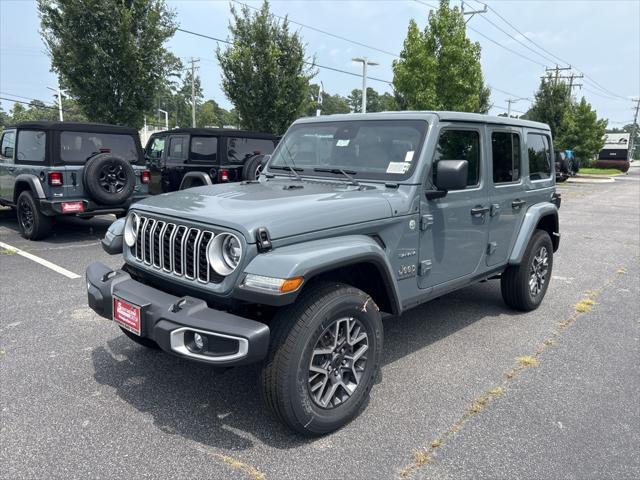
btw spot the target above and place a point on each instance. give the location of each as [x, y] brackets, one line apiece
[310, 259]
[531, 219]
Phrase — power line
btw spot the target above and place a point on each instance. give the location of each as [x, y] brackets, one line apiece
[312, 64]
[340, 37]
[29, 103]
[21, 96]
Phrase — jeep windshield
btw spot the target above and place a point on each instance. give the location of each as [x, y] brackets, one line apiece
[365, 149]
[78, 147]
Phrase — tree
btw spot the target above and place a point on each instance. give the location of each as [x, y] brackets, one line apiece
[552, 105]
[375, 102]
[439, 68]
[264, 70]
[331, 104]
[109, 54]
[37, 110]
[584, 133]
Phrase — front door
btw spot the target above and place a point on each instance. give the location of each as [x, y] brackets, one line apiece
[454, 229]
[154, 158]
[506, 192]
[7, 164]
[177, 153]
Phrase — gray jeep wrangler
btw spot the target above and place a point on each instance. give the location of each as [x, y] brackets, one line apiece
[355, 218]
[49, 169]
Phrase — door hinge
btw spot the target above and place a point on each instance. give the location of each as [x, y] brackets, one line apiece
[492, 247]
[425, 222]
[425, 266]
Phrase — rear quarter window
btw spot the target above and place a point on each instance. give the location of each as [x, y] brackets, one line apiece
[78, 147]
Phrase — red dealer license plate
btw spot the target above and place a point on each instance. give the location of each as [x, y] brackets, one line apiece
[127, 315]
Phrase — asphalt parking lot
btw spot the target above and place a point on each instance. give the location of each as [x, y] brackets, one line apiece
[469, 389]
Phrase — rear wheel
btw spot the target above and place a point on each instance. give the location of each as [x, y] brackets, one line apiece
[524, 286]
[324, 358]
[34, 225]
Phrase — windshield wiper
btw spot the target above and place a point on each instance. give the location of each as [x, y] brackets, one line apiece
[293, 170]
[346, 173]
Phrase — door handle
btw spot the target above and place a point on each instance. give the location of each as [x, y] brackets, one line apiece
[479, 211]
[518, 204]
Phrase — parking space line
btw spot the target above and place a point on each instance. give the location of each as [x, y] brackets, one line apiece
[41, 261]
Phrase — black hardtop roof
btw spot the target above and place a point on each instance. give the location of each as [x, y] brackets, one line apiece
[220, 132]
[77, 127]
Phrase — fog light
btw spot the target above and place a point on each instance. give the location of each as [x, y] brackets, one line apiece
[198, 341]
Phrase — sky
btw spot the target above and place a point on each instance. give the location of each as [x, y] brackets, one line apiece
[600, 38]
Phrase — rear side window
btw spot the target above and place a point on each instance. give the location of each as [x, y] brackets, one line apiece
[204, 149]
[177, 148]
[539, 154]
[78, 147]
[8, 145]
[460, 145]
[156, 148]
[239, 149]
[31, 145]
[505, 149]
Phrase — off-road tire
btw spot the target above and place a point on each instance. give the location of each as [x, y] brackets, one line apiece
[514, 282]
[252, 168]
[295, 330]
[100, 164]
[34, 225]
[145, 342]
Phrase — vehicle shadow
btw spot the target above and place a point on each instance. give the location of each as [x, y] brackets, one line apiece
[65, 229]
[224, 410]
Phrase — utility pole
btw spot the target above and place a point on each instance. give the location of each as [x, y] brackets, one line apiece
[557, 69]
[634, 127]
[193, 62]
[365, 61]
[471, 12]
[59, 93]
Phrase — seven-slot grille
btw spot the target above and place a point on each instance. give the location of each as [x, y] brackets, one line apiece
[175, 249]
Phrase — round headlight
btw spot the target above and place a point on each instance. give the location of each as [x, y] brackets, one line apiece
[131, 229]
[224, 253]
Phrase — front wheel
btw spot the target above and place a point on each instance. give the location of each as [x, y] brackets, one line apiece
[524, 286]
[324, 358]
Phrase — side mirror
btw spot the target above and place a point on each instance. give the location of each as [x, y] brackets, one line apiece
[448, 175]
[112, 241]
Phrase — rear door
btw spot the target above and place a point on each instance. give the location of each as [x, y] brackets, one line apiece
[177, 152]
[506, 191]
[7, 165]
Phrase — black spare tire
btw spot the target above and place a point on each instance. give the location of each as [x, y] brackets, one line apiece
[253, 167]
[109, 179]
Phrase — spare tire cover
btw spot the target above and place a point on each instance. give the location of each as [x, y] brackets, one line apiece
[109, 179]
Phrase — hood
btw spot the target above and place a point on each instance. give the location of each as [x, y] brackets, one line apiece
[280, 205]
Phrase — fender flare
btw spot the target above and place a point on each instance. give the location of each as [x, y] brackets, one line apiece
[531, 219]
[34, 184]
[195, 179]
[315, 257]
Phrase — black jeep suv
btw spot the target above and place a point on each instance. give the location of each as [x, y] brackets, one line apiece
[188, 157]
[66, 168]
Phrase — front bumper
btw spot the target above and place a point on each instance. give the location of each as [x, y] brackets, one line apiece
[169, 320]
[91, 208]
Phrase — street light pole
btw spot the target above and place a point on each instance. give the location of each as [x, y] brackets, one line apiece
[365, 62]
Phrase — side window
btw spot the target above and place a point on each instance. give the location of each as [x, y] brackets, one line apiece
[177, 150]
[505, 149]
[7, 146]
[156, 148]
[31, 145]
[460, 145]
[239, 149]
[539, 156]
[204, 149]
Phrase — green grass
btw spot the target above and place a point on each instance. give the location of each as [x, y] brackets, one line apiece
[600, 171]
